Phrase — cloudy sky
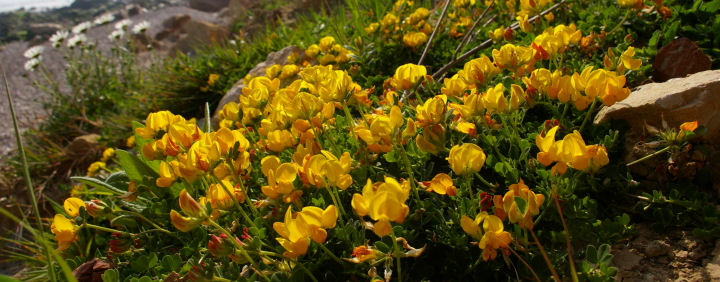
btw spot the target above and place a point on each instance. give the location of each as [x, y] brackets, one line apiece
[9, 5]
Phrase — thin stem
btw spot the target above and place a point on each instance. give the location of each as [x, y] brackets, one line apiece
[467, 36]
[488, 184]
[432, 35]
[410, 173]
[235, 202]
[243, 190]
[26, 173]
[239, 247]
[573, 272]
[307, 271]
[544, 254]
[587, 115]
[487, 43]
[396, 253]
[102, 228]
[147, 220]
[663, 150]
[537, 278]
[627, 13]
[337, 204]
[329, 253]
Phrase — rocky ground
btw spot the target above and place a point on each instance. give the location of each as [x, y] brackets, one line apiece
[28, 100]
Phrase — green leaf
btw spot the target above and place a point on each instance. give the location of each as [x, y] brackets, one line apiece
[110, 275]
[391, 156]
[135, 168]
[711, 7]
[97, 183]
[591, 254]
[143, 263]
[4, 278]
[521, 204]
[382, 247]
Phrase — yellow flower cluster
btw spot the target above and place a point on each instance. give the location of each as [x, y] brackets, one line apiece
[571, 151]
[299, 228]
[327, 52]
[491, 236]
[412, 27]
[383, 202]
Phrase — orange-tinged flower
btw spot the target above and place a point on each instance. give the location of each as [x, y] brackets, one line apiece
[297, 229]
[219, 198]
[497, 34]
[183, 223]
[466, 158]
[478, 71]
[689, 126]
[166, 175]
[364, 253]
[492, 235]
[525, 25]
[72, 206]
[190, 207]
[432, 111]
[529, 207]
[442, 184]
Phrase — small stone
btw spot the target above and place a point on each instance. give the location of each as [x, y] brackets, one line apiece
[657, 248]
[626, 260]
[678, 59]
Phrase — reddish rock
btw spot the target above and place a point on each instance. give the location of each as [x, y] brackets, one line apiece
[678, 59]
[91, 271]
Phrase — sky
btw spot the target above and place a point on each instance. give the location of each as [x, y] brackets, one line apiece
[10, 5]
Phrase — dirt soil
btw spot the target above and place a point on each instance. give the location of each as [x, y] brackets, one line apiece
[675, 255]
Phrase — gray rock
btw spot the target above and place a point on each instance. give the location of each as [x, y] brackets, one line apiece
[208, 5]
[657, 248]
[696, 97]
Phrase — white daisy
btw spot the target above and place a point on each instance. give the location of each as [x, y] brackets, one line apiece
[58, 38]
[81, 27]
[31, 64]
[123, 24]
[104, 18]
[76, 40]
[116, 34]
[141, 27]
[33, 52]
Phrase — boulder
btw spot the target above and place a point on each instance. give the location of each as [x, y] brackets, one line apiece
[279, 57]
[199, 33]
[696, 97]
[208, 5]
[173, 27]
[678, 59]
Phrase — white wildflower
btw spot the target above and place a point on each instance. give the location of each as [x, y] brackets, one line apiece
[141, 27]
[116, 34]
[104, 18]
[81, 27]
[58, 38]
[31, 64]
[123, 24]
[33, 52]
[77, 40]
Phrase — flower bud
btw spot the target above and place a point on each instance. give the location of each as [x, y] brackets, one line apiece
[191, 207]
[219, 246]
[97, 208]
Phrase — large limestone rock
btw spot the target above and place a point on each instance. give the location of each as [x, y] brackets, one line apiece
[696, 97]
[279, 57]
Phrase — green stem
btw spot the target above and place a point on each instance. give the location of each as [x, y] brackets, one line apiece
[337, 204]
[146, 220]
[573, 272]
[329, 253]
[101, 228]
[26, 174]
[396, 253]
[307, 271]
[243, 190]
[544, 254]
[235, 202]
[663, 150]
[488, 184]
[239, 247]
[411, 175]
[627, 13]
[588, 114]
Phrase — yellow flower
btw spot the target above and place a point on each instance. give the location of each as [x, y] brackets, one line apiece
[95, 167]
[212, 78]
[326, 43]
[627, 60]
[384, 203]
[637, 4]
[442, 184]
[279, 140]
[364, 253]
[130, 141]
[432, 111]
[280, 178]
[107, 154]
[595, 157]
[525, 25]
[166, 175]
[454, 87]
[466, 158]
[220, 199]
[389, 20]
[522, 215]
[72, 206]
[492, 235]
[689, 126]
[196, 213]
[371, 28]
[273, 71]
[478, 71]
[65, 231]
[407, 76]
[414, 39]
[297, 229]
[312, 51]
[517, 96]
[497, 34]
[513, 57]
[494, 99]
[289, 71]
[383, 128]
